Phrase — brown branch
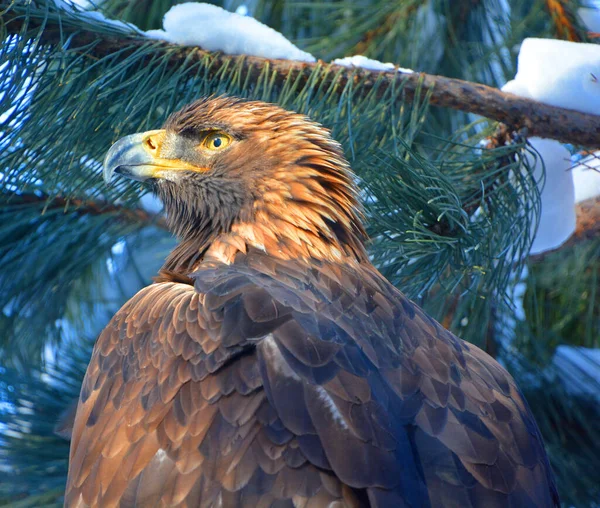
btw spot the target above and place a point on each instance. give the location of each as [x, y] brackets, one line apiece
[588, 215]
[528, 117]
[86, 207]
[587, 228]
[588, 221]
[587, 212]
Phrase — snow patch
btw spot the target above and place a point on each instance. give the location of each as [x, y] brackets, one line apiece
[363, 62]
[586, 178]
[557, 220]
[242, 10]
[563, 74]
[215, 29]
[559, 73]
[76, 6]
[591, 16]
[518, 88]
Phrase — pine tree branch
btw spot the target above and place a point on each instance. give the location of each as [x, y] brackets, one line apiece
[370, 36]
[565, 27]
[588, 221]
[87, 207]
[588, 215]
[587, 228]
[528, 117]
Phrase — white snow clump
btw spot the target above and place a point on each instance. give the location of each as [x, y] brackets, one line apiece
[564, 74]
[559, 73]
[586, 177]
[590, 16]
[368, 63]
[557, 219]
[79, 6]
[215, 29]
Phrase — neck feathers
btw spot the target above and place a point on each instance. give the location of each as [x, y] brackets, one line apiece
[275, 237]
[303, 207]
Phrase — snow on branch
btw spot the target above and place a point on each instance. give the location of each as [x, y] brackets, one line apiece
[359, 61]
[588, 227]
[561, 75]
[215, 29]
[524, 115]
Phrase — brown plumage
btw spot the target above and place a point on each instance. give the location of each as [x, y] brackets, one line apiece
[270, 364]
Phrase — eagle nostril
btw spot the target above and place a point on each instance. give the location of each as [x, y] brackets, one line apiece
[151, 144]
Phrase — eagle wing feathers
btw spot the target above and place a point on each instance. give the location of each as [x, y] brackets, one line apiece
[269, 383]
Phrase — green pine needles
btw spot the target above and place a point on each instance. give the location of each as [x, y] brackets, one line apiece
[450, 219]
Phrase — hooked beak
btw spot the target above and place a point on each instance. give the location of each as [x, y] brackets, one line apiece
[138, 157]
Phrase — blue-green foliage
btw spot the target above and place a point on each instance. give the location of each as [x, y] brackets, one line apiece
[450, 219]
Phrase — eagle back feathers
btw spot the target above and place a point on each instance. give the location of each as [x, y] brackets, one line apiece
[271, 382]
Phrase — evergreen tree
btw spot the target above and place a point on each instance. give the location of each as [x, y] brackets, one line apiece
[451, 202]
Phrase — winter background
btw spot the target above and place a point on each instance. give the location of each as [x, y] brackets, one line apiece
[556, 72]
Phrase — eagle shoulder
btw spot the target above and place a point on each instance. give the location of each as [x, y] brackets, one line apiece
[368, 378]
[269, 381]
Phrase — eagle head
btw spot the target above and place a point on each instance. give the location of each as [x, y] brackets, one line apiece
[236, 174]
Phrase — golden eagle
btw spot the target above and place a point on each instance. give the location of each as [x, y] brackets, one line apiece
[271, 364]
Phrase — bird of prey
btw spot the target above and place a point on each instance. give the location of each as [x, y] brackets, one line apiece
[270, 364]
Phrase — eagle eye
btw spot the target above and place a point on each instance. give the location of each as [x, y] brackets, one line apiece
[216, 141]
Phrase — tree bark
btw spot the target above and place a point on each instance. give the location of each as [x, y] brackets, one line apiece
[587, 228]
[588, 215]
[526, 116]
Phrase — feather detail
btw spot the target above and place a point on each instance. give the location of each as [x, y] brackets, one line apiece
[270, 364]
